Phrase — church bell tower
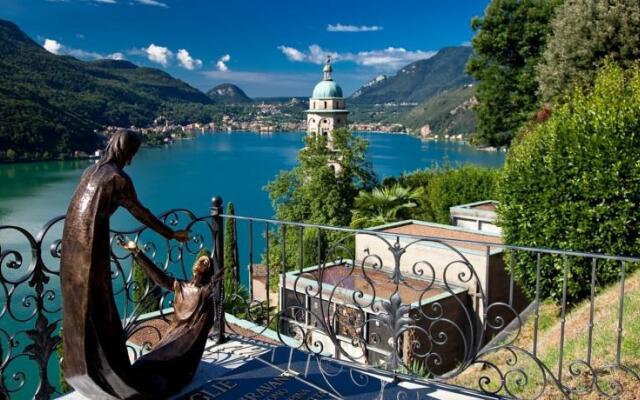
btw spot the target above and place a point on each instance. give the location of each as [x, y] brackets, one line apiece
[327, 109]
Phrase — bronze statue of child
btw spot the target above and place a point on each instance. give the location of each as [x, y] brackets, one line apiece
[173, 361]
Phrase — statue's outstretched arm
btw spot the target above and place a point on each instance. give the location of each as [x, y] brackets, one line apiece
[129, 200]
[155, 273]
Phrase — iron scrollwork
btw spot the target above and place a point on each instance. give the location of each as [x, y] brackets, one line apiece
[30, 312]
[421, 319]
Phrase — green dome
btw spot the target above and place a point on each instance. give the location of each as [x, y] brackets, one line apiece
[327, 89]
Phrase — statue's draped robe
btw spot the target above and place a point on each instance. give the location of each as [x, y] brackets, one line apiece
[176, 357]
[95, 355]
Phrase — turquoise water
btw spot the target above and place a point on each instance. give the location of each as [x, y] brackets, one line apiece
[187, 174]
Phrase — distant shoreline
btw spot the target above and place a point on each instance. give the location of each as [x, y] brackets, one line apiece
[213, 132]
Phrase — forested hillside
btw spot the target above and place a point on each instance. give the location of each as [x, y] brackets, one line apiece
[51, 105]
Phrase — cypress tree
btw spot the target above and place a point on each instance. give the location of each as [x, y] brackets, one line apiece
[231, 277]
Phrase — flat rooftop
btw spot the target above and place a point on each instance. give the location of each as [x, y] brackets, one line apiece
[439, 231]
[484, 205]
[349, 279]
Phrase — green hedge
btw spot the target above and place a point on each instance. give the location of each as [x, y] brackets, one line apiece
[454, 186]
[573, 183]
[447, 186]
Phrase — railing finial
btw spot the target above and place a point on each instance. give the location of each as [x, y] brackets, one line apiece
[216, 205]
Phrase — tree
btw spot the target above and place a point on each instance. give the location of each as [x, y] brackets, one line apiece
[146, 294]
[64, 385]
[384, 205]
[573, 183]
[231, 277]
[584, 33]
[508, 45]
[314, 192]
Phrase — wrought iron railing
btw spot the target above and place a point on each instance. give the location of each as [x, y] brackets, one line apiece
[436, 309]
[405, 305]
[30, 311]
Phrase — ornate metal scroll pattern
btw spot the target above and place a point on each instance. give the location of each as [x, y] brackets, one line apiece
[418, 308]
[30, 313]
[30, 307]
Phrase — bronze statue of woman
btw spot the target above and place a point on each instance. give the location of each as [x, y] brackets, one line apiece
[173, 361]
[95, 361]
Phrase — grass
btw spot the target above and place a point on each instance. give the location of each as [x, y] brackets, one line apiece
[575, 347]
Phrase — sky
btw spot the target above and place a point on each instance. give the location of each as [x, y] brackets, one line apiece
[266, 47]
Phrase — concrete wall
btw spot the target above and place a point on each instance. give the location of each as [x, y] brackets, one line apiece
[480, 225]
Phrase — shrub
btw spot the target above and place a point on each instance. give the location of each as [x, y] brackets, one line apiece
[453, 186]
[573, 183]
[444, 187]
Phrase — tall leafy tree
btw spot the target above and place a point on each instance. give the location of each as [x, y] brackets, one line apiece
[384, 205]
[320, 190]
[584, 33]
[508, 46]
[313, 191]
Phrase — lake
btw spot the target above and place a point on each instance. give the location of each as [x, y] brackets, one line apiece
[189, 173]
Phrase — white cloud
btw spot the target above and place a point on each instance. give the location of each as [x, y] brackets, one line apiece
[353, 28]
[187, 61]
[52, 46]
[390, 58]
[152, 3]
[222, 63]
[116, 56]
[82, 54]
[55, 47]
[155, 3]
[158, 54]
[291, 53]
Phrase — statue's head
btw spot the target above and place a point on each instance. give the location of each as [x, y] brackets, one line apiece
[122, 146]
[201, 270]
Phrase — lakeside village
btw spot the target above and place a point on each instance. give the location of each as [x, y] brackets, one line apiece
[263, 120]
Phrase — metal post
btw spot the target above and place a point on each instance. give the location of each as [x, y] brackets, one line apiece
[217, 210]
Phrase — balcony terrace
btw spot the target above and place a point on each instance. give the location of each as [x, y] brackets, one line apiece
[413, 315]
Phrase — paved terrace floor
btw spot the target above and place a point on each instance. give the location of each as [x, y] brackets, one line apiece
[223, 360]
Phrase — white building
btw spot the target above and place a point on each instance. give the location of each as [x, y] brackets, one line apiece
[480, 216]
[327, 108]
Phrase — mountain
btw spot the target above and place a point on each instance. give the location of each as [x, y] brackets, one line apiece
[448, 112]
[420, 80]
[51, 105]
[228, 93]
